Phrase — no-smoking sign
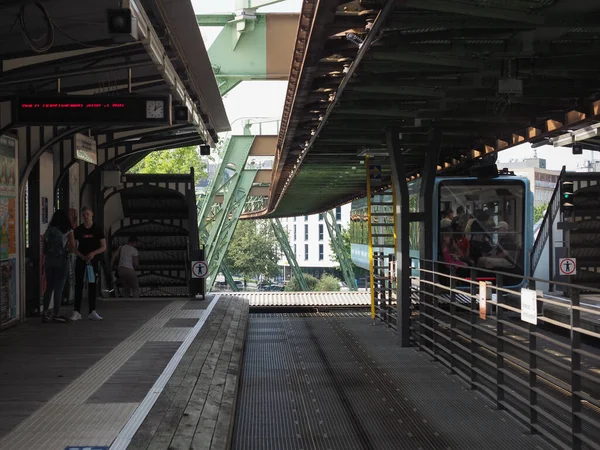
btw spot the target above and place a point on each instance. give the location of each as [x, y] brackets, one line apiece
[199, 269]
[567, 266]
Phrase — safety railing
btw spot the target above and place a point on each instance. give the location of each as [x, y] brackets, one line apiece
[547, 224]
[384, 287]
[542, 369]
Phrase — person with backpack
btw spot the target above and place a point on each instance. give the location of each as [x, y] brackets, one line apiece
[128, 262]
[92, 243]
[58, 244]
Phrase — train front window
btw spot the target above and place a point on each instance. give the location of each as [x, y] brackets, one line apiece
[482, 224]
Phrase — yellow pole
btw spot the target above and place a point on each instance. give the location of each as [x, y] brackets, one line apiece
[372, 269]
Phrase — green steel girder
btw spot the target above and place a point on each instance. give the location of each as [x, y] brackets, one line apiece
[338, 246]
[245, 49]
[255, 204]
[221, 216]
[254, 4]
[214, 20]
[234, 158]
[283, 239]
[229, 277]
[232, 214]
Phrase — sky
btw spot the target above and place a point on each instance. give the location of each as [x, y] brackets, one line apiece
[248, 99]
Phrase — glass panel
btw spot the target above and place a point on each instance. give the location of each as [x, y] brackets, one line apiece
[482, 224]
[413, 195]
[306, 232]
[338, 213]
[305, 252]
[320, 232]
[320, 252]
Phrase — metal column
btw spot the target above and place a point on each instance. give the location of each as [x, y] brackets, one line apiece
[401, 211]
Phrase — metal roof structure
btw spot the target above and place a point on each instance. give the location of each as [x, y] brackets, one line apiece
[65, 46]
[487, 75]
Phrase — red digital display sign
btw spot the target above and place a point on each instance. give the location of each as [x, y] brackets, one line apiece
[92, 110]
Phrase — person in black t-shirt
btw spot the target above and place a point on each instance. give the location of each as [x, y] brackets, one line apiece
[92, 243]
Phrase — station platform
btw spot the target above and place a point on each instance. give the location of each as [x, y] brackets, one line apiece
[213, 374]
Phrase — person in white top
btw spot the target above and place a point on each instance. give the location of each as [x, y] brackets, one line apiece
[128, 264]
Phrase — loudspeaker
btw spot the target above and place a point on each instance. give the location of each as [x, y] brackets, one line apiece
[204, 150]
[119, 21]
[181, 114]
[578, 148]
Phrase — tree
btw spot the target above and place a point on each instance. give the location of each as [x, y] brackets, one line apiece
[328, 283]
[177, 160]
[539, 211]
[294, 286]
[253, 250]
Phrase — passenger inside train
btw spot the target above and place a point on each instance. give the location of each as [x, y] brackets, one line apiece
[487, 229]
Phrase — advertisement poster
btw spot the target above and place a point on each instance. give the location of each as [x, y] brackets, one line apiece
[8, 229]
[8, 283]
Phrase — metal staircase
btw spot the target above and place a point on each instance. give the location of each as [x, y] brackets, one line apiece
[382, 250]
[545, 233]
[160, 210]
[576, 236]
[583, 241]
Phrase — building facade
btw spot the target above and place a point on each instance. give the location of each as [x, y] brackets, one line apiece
[542, 180]
[310, 242]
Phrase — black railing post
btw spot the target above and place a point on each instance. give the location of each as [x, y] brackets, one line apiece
[402, 211]
[499, 343]
[576, 443]
[452, 319]
[434, 312]
[473, 315]
[533, 400]
[423, 288]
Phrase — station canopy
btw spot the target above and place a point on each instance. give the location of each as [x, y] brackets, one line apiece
[488, 75]
[65, 46]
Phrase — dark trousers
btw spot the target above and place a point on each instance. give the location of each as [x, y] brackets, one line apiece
[56, 276]
[79, 274]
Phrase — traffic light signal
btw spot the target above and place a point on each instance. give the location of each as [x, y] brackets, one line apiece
[566, 198]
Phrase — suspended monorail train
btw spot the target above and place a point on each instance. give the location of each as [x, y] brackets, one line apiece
[486, 223]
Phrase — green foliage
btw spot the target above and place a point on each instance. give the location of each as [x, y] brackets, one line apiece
[178, 160]
[328, 283]
[294, 286]
[346, 240]
[538, 212]
[253, 250]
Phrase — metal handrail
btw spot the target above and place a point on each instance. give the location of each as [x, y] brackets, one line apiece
[550, 383]
[492, 272]
[547, 223]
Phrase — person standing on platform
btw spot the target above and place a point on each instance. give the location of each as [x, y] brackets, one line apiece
[128, 264]
[92, 243]
[58, 244]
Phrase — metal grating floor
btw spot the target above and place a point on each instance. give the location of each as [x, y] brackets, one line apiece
[338, 381]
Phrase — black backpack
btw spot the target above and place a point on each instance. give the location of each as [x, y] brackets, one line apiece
[54, 249]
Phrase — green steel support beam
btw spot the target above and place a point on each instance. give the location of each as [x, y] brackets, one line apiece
[254, 4]
[227, 227]
[251, 46]
[283, 239]
[338, 246]
[234, 159]
[255, 204]
[229, 277]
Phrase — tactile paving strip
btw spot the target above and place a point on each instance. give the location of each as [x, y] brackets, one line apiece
[68, 420]
[339, 382]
